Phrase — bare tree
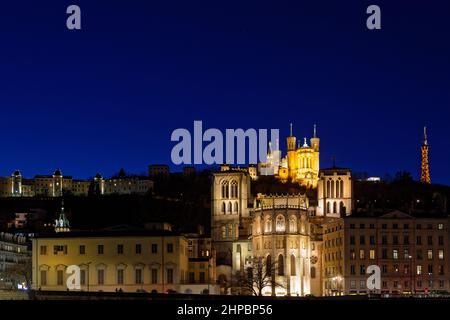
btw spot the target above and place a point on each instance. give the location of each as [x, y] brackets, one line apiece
[20, 272]
[256, 276]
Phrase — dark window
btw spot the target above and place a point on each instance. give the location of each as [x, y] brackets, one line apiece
[395, 226]
[362, 240]
[120, 276]
[154, 248]
[362, 226]
[170, 247]
[169, 276]
[384, 239]
[406, 226]
[405, 239]
[60, 277]
[362, 269]
[202, 277]
[441, 240]
[138, 276]
[395, 239]
[372, 226]
[352, 226]
[384, 226]
[120, 249]
[352, 240]
[384, 254]
[419, 240]
[372, 240]
[154, 276]
[100, 249]
[138, 248]
[430, 240]
[191, 277]
[82, 249]
[418, 226]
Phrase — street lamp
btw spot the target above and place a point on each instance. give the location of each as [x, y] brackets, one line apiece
[411, 274]
[88, 264]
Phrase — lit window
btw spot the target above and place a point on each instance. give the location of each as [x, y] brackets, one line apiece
[395, 254]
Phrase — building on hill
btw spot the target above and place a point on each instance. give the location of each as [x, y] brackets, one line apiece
[57, 185]
[301, 163]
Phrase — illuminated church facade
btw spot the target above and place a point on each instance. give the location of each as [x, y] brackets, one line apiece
[301, 163]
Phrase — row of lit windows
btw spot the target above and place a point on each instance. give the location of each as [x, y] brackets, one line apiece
[101, 249]
[395, 284]
[395, 240]
[396, 269]
[395, 226]
[101, 275]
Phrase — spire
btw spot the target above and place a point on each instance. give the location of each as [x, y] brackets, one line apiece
[62, 223]
[290, 130]
[270, 147]
[425, 140]
[315, 131]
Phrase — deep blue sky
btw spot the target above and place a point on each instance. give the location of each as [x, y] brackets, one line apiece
[110, 95]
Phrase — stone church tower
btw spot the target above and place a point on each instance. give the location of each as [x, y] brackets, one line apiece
[229, 208]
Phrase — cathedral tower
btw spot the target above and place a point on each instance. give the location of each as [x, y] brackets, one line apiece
[229, 208]
[425, 168]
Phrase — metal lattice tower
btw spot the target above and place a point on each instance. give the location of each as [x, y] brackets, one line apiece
[425, 167]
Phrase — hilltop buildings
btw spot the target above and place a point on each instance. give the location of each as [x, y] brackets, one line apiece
[57, 185]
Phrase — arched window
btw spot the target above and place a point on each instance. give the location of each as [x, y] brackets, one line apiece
[268, 227]
[293, 271]
[225, 189]
[328, 188]
[234, 189]
[328, 207]
[293, 224]
[337, 189]
[269, 265]
[280, 265]
[236, 207]
[332, 189]
[229, 207]
[342, 188]
[334, 207]
[341, 208]
[224, 207]
[280, 225]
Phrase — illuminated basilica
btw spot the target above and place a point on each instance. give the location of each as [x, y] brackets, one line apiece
[301, 163]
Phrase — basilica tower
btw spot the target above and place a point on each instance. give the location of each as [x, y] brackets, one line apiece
[291, 155]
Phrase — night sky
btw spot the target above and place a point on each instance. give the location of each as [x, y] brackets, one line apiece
[109, 96]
